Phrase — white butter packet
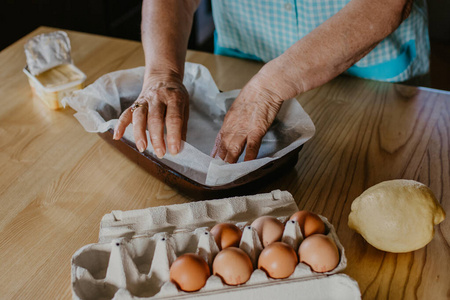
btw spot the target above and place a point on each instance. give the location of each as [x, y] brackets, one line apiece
[46, 51]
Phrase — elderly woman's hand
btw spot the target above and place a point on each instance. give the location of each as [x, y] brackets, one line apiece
[161, 101]
[246, 122]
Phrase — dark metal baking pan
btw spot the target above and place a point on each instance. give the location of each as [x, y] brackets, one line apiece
[242, 186]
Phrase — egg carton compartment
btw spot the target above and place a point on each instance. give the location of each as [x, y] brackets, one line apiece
[135, 263]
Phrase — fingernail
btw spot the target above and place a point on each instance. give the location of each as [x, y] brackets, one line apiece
[141, 146]
[115, 135]
[173, 149]
[159, 153]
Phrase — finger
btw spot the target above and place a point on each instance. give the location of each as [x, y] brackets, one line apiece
[174, 124]
[253, 145]
[220, 149]
[156, 128]
[235, 148]
[124, 121]
[185, 122]
[216, 145]
[139, 124]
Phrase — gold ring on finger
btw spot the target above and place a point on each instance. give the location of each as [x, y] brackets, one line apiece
[136, 106]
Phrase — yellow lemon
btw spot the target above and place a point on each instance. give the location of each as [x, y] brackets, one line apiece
[397, 215]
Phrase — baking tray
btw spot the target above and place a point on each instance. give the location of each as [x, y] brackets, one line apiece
[102, 102]
[244, 185]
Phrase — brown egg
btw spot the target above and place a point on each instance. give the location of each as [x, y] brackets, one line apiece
[278, 260]
[319, 252]
[269, 229]
[189, 272]
[226, 235]
[309, 222]
[233, 266]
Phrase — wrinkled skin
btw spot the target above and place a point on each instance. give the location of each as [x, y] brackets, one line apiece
[165, 103]
[315, 59]
[246, 123]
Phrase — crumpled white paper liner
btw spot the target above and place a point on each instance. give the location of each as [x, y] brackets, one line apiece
[100, 104]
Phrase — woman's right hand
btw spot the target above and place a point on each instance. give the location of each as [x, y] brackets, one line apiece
[161, 102]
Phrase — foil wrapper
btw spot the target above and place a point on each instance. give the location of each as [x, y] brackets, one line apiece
[46, 51]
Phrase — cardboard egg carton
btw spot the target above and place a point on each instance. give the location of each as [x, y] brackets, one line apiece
[136, 249]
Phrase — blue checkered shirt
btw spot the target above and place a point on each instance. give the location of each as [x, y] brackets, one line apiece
[264, 29]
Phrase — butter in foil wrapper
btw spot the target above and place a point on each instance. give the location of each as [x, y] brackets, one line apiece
[46, 51]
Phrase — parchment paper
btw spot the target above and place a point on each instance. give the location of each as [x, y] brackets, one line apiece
[100, 104]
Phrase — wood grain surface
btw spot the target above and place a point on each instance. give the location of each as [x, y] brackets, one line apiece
[57, 181]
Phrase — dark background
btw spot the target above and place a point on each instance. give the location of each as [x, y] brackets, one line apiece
[116, 18]
[121, 18]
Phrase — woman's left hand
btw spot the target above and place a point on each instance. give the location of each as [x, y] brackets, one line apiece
[246, 122]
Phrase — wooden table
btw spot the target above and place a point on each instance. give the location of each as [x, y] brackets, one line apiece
[57, 181]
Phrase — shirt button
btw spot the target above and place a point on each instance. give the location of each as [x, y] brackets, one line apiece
[288, 6]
